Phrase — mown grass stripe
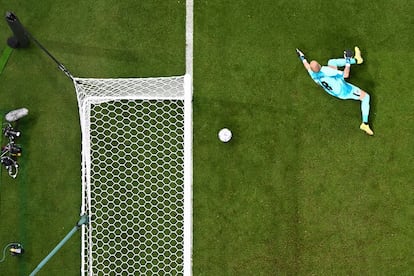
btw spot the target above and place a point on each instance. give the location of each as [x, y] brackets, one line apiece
[5, 57]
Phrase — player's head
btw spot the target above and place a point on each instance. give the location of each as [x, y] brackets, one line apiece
[315, 66]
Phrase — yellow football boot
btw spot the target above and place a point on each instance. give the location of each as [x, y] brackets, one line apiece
[366, 128]
[358, 56]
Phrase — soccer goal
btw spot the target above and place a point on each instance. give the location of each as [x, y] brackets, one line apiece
[136, 175]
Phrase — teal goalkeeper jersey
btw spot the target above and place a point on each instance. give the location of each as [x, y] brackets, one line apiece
[332, 81]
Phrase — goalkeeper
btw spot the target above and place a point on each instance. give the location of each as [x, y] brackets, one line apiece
[333, 81]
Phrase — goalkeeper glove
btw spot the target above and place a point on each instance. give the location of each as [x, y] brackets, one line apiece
[348, 55]
[300, 55]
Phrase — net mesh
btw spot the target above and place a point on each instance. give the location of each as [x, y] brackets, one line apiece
[133, 175]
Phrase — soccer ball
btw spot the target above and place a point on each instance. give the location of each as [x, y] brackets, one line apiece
[225, 135]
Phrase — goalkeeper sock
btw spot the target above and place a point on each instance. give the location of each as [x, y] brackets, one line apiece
[340, 62]
[365, 108]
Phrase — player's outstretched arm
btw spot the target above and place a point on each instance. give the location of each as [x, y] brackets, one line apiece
[302, 57]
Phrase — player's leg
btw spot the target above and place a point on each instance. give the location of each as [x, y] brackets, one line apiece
[365, 106]
[340, 62]
[358, 94]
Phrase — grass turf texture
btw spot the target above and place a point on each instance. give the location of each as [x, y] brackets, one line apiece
[104, 39]
[299, 189]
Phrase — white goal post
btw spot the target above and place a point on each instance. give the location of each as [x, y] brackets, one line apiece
[136, 175]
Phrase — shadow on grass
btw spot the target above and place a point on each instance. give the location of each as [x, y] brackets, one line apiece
[92, 51]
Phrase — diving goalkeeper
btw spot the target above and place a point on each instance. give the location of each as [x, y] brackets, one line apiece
[333, 81]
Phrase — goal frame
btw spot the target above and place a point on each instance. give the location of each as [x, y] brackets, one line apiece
[84, 112]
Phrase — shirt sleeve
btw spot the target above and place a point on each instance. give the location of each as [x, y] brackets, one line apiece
[313, 75]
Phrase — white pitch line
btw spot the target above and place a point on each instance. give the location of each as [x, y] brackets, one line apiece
[188, 141]
[189, 29]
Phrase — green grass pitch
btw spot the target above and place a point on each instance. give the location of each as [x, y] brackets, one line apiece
[300, 190]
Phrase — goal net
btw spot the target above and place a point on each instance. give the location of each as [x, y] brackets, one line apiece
[136, 175]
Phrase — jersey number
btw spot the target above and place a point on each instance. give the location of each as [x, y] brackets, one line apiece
[326, 85]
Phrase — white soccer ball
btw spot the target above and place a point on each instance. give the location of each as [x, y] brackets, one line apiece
[225, 135]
